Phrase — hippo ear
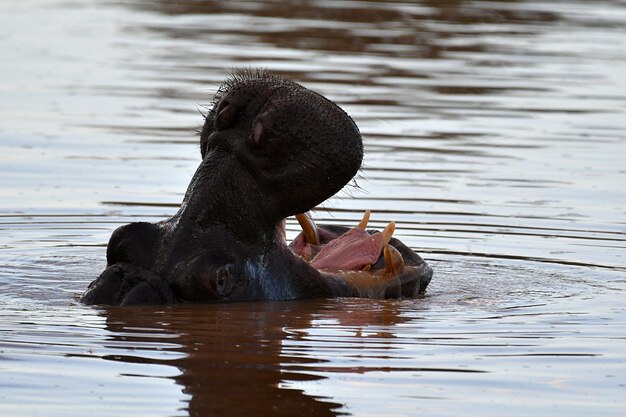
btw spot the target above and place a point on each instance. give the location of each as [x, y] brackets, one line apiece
[134, 243]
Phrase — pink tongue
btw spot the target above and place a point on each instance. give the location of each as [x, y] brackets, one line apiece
[353, 250]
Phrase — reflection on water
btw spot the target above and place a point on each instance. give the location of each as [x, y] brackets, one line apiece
[232, 362]
[494, 134]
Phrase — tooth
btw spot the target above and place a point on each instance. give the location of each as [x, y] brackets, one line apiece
[309, 228]
[366, 218]
[394, 264]
[388, 232]
[367, 267]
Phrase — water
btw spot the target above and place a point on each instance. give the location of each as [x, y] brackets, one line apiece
[494, 135]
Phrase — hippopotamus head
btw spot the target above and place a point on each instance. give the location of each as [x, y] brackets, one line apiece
[270, 149]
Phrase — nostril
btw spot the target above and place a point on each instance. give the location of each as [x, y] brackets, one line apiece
[226, 116]
[256, 133]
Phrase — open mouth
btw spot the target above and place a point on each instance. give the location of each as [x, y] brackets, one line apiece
[363, 258]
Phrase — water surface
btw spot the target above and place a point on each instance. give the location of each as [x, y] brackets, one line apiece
[495, 138]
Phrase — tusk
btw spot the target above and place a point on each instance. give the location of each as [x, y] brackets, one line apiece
[394, 264]
[281, 231]
[366, 218]
[308, 228]
[388, 232]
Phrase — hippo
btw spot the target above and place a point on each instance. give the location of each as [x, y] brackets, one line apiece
[270, 149]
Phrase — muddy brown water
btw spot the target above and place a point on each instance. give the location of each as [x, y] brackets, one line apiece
[495, 135]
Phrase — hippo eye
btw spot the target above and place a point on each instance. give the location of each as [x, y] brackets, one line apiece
[223, 284]
[226, 114]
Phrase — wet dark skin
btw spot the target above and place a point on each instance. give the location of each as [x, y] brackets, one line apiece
[270, 149]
